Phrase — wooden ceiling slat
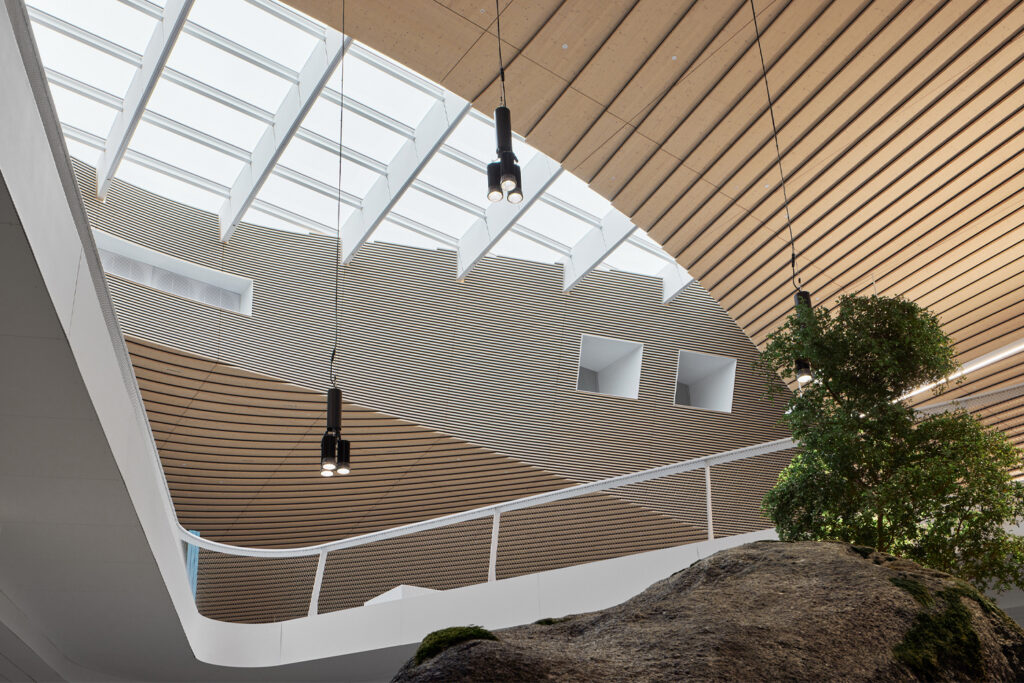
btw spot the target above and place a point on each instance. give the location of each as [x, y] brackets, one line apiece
[257, 485]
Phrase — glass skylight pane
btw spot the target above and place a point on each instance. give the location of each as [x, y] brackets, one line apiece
[169, 187]
[322, 165]
[185, 154]
[228, 73]
[475, 138]
[199, 112]
[633, 259]
[115, 21]
[396, 234]
[86, 153]
[572, 190]
[83, 63]
[361, 134]
[302, 201]
[257, 217]
[434, 213]
[458, 179]
[385, 93]
[554, 223]
[517, 246]
[247, 25]
[83, 113]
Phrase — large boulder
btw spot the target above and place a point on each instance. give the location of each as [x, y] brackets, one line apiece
[763, 611]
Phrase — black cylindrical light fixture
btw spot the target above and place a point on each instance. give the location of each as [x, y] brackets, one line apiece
[329, 444]
[328, 454]
[508, 170]
[804, 374]
[802, 298]
[515, 195]
[494, 192]
[503, 128]
[334, 410]
[344, 456]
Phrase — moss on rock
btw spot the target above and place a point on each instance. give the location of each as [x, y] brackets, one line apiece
[942, 640]
[917, 590]
[437, 642]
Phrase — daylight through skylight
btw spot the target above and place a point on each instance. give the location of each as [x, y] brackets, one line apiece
[241, 120]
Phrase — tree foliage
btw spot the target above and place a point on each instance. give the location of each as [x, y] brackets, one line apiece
[871, 470]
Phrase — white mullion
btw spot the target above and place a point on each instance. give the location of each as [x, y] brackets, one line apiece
[127, 120]
[481, 237]
[300, 98]
[595, 246]
[433, 130]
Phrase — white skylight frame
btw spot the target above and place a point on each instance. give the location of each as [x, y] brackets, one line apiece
[290, 197]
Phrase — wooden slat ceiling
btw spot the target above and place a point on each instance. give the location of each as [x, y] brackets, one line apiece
[241, 453]
[900, 124]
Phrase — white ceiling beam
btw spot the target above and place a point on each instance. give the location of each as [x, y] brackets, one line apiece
[595, 246]
[414, 154]
[674, 279]
[127, 120]
[300, 98]
[481, 237]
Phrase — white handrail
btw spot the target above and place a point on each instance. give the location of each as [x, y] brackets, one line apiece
[491, 510]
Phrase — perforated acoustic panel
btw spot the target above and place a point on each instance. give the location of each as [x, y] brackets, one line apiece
[440, 559]
[254, 590]
[585, 529]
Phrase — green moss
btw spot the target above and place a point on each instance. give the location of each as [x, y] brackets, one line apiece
[917, 590]
[862, 550]
[437, 642]
[548, 621]
[942, 641]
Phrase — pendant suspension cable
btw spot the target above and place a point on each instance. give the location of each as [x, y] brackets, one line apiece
[501, 63]
[337, 223]
[778, 153]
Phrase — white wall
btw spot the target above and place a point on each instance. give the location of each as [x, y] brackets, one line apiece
[622, 378]
[715, 390]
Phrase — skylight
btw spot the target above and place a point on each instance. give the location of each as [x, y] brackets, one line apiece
[221, 106]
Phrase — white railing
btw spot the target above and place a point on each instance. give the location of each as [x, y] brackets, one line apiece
[494, 512]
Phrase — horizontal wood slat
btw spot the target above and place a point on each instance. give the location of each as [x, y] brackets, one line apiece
[900, 126]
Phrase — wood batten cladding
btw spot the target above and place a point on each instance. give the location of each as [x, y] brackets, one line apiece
[492, 360]
[900, 124]
[241, 455]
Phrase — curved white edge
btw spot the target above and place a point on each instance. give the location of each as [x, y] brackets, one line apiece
[497, 604]
[60, 238]
[36, 167]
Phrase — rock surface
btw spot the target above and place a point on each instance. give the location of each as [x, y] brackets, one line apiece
[763, 611]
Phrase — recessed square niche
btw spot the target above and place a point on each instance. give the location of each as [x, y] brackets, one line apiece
[609, 366]
[705, 381]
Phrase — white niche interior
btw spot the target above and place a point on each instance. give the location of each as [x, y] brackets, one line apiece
[705, 381]
[609, 366]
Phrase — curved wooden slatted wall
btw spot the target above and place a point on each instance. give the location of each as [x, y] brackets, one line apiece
[492, 360]
[900, 124]
[240, 453]
[594, 527]
[241, 456]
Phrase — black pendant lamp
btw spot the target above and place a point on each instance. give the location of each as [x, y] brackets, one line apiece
[802, 306]
[802, 299]
[335, 451]
[504, 177]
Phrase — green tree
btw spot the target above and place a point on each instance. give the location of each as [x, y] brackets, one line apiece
[871, 470]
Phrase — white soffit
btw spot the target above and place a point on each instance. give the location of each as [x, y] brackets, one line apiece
[235, 110]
